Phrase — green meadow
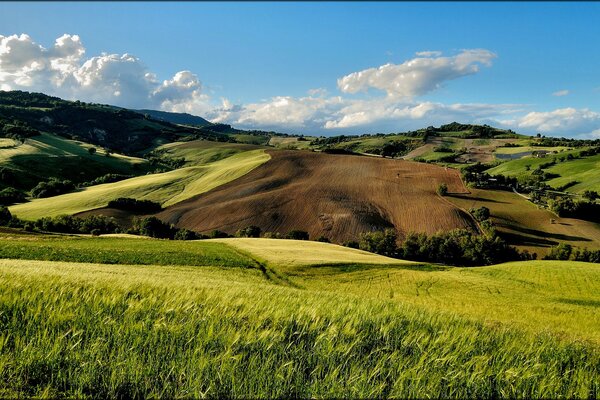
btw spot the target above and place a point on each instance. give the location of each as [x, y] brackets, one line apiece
[128, 317]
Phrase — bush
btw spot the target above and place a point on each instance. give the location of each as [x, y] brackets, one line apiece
[272, 235]
[353, 244]
[69, 224]
[217, 234]
[561, 252]
[480, 214]
[323, 239]
[154, 227]
[5, 216]
[95, 232]
[383, 243]
[136, 206]
[442, 189]
[186, 234]
[53, 187]
[10, 196]
[297, 235]
[251, 231]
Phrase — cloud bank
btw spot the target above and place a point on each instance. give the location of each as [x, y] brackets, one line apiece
[385, 98]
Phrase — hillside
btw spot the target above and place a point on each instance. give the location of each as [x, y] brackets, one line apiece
[208, 165]
[337, 196]
[44, 156]
[115, 128]
[523, 224]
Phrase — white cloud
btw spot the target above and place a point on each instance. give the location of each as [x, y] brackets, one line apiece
[563, 121]
[561, 93]
[120, 79]
[428, 53]
[417, 76]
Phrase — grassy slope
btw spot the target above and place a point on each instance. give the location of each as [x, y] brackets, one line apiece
[139, 331]
[48, 155]
[525, 225]
[586, 171]
[287, 254]
[167, 188]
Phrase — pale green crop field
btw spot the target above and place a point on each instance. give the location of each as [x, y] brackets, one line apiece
[523, 149]
[166, 188]
[51, 145]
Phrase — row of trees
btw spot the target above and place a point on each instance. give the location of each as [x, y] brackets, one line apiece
[457, 247]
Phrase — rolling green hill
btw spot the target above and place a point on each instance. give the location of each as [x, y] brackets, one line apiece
[209, 164]
[357, 330]
[580, 172]
[45, 156]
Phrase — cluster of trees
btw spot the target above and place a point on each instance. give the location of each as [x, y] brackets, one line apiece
[17, 130]
[458, 247]
[108, 178]
[134, 205]
[10, 196]
[565, 142]
[52, 187]
[474, 175]
[565, 206]
[566, 252]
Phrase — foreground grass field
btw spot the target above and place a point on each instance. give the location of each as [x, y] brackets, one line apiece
[212, 322]
[138, 331]
[209, 166]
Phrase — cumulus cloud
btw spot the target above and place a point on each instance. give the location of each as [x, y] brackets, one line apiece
[120, 79]
[417, 76]
[561, 93]
[567, 121]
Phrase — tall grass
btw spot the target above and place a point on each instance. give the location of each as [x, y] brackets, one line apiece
[123, 331]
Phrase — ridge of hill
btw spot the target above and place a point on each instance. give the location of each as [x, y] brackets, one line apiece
[175, 118]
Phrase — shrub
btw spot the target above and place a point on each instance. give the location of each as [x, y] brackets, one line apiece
[323, 239]
[481, 213]
[53, 187]
[10, 196]
[383, 243]
[216, 234]
[442, 189]
[272, 235]
[154, 227]
[297, 235]
[5, 216]
[95, 232]
[251, 231]
[561, 252]
[186, 234]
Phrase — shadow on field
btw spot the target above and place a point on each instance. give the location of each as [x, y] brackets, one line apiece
[558, 236]
[475, 198]
[334, 268]
[581, 302]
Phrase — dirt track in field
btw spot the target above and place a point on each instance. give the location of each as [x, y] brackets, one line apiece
[337, 196]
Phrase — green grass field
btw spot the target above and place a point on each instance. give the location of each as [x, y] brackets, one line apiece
[584, 171]
[96, 330]
[209, 166]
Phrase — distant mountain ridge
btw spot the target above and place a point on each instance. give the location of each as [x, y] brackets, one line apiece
[176, 118]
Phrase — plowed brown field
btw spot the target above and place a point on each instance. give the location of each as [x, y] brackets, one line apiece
[337, 196]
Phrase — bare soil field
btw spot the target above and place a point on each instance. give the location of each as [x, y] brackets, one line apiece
[337, 196]
[526, 226]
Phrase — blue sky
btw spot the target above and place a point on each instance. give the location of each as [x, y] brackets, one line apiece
[533, 67]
